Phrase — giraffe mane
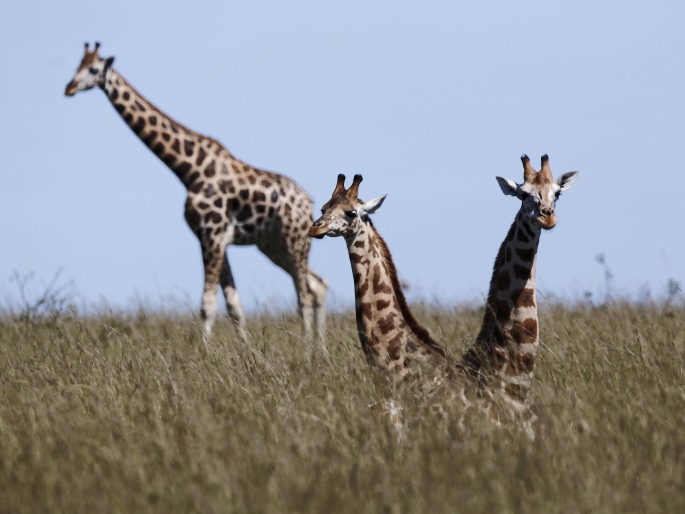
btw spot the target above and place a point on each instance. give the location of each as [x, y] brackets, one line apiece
[420, 332]
[178, 125]
[154, 107]
[477, 358]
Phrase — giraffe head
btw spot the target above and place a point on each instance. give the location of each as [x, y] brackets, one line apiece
[539, 191]
[90, 73]
[344, 214]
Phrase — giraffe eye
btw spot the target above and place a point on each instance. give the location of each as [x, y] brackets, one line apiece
[93, 71]
[351, 214]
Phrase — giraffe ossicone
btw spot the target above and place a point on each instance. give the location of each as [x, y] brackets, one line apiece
[228, 202]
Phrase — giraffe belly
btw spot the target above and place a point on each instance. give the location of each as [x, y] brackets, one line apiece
[243, 234]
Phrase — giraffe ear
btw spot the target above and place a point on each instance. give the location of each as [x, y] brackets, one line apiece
[372, 205]
[566, 180]
[108, 62]
[508, 187]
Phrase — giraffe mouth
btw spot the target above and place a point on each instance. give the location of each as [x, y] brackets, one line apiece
[317, 232]
[70, 90]
[546, 222]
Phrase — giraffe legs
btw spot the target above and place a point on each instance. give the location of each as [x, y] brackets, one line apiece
[305, 303]
[217, 270]
[212, 261]
[311, 297]
[235, 308]
[309, 287]
[318, 288]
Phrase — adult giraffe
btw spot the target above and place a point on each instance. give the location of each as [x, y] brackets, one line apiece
[228, 202]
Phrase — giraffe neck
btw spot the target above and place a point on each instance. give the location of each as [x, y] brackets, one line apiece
[507, 345]
[389, 334]
[186, 153]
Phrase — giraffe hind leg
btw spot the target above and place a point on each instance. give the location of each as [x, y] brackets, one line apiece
[305, 304]
[318, 288]
[233, 305]
[310, 288]
[311, 298]
[294, 262]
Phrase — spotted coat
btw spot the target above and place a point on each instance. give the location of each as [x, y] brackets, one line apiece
[228, 201]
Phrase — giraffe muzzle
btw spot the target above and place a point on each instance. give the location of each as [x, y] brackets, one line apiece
[547, 222]
[318, 230]
[70, 90]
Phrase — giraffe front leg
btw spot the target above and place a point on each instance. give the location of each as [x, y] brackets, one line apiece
[212, 257]
[235, 308]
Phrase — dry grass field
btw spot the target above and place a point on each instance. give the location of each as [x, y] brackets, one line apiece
[125, 413]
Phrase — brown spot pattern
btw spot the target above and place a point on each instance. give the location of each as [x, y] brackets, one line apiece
[526, 331]
[386, 323]
[504, 281]
[524, 297]
[201, 155]
[210, 171]
[521, 272]
[516, 391]
[378, 286]
[526, 254]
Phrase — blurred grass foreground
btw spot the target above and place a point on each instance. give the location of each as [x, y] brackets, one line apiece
[126, 413]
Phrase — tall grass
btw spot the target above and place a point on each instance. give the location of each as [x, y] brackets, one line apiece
[126, 413]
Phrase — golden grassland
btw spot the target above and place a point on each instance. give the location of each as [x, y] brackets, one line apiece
[126, 413]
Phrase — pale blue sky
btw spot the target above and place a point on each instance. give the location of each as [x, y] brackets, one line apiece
[428, 100]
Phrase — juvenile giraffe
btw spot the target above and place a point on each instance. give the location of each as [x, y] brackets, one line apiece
[228, 202]
[390, 336]
[504, 353]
